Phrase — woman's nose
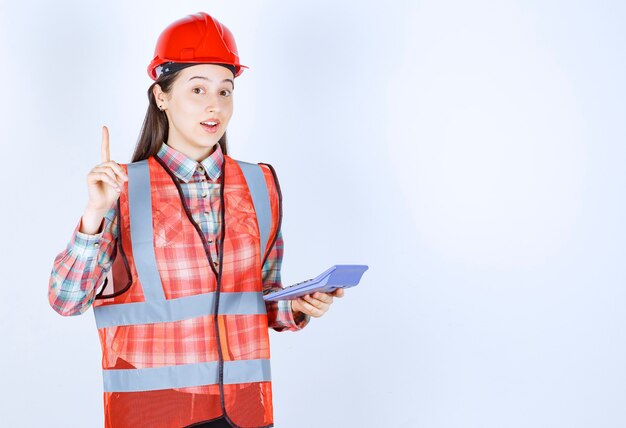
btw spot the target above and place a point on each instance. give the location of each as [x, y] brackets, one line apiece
[212, 103]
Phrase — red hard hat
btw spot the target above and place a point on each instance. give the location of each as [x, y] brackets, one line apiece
[197, 38]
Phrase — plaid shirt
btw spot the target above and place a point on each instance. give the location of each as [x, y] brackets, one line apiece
[82, 266]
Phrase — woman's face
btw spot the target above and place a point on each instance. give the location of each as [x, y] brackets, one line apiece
[198, 108]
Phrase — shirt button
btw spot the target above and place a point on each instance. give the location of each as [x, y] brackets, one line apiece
[204, 195]
[210, 241]
[95, 244]
[215, 264]
[200, 169]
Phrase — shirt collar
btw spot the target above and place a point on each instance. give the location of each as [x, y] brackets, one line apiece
[184, 167]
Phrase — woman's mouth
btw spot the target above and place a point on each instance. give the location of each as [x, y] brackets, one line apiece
[210, 126]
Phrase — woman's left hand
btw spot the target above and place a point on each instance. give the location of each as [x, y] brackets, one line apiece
[315, 304]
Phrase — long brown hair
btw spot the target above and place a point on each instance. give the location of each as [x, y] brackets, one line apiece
[155, 126]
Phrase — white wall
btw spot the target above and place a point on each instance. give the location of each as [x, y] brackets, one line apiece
[470, 152]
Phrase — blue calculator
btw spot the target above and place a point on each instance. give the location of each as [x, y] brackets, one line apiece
[338, 276]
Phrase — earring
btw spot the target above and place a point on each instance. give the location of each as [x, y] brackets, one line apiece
[161, 108]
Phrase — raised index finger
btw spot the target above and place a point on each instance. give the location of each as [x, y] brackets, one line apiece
[104, 149]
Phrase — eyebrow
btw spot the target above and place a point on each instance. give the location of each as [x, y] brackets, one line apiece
[206, 78]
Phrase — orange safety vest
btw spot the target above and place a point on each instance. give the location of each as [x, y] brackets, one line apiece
[185, 336]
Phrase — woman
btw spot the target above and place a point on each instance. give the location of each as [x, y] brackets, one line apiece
[175, 250]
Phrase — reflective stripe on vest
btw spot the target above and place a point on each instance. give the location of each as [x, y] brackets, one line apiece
[243, 303]
[260, 199]
[141, 233]
[185, 375]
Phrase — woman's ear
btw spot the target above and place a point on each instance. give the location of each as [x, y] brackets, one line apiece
[159, 97]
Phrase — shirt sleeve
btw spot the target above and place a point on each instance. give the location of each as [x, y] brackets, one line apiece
[279, 314]
[81, 267]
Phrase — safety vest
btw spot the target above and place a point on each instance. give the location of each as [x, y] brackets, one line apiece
[184, 334]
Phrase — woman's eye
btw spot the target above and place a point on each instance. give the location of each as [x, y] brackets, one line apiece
[225, 92]
[197, 90]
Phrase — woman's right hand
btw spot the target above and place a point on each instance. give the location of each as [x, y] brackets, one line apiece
[104, 184]
[105, 180]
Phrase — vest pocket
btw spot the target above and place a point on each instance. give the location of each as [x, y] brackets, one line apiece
[167, 223]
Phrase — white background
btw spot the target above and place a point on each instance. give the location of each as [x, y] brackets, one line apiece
[471, 153]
